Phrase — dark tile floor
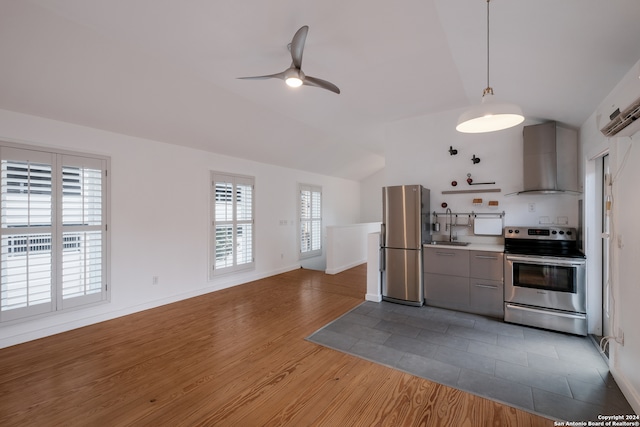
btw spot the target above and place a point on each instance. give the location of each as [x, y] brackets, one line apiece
[556, 375]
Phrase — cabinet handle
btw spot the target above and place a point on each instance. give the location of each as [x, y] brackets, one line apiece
[486, 257]
[479, 285]
[445, 254]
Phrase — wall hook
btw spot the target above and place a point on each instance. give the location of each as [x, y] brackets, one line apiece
[475, 159]
[452, 151]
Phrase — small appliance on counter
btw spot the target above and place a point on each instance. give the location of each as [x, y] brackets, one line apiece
[405, 228]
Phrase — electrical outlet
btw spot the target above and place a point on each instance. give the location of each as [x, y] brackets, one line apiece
[532, 207]
[155, 280]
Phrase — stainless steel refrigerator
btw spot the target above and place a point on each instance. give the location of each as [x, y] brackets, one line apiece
[405, 228]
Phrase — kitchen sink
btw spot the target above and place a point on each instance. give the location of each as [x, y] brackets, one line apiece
[450, 243]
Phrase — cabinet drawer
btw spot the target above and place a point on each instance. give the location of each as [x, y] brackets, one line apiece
[486, 265]
[446, 261]
[486, 297]
[446, 291]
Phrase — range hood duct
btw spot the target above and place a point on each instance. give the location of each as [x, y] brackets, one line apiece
[550, 159]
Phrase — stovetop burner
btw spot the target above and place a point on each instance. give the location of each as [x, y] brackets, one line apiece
[554, 241]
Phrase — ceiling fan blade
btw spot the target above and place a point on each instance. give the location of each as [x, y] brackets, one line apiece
[312, 81]
[270, 76]
[297, 46]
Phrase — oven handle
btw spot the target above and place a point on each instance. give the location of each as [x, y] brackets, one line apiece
[537, 310]
[546, 261]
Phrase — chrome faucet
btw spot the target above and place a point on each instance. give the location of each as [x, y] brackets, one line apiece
[448, 212]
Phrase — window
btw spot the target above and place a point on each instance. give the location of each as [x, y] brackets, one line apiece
[310, 220]
[53, 233]
[232, 230]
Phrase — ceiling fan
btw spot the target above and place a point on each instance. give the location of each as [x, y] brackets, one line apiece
[293, 75]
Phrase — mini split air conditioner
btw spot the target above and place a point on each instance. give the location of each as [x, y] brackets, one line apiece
[619, 113]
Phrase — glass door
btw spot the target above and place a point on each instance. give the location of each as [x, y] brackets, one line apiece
[606, 242]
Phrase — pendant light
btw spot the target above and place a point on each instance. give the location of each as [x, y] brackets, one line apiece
[490, 115]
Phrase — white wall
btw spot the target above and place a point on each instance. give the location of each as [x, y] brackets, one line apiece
[625, 269]
[159, 218]
[417, 152]
[371, 197]
[347, 245]
[624, 153]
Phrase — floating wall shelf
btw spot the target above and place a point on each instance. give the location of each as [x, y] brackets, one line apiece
[491, 190]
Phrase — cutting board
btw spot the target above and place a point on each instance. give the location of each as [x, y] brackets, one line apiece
[487, 226]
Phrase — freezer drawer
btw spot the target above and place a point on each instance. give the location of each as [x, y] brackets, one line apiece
[402, 276]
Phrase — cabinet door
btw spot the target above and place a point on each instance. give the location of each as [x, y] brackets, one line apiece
[486, 265]
[486, 297]
[454, 262]
[447, 291]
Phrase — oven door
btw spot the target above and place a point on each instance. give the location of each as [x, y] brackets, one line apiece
[548, 282]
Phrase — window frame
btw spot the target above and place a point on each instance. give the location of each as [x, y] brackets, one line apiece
[312, 252]
[87, 293]
[235, 222]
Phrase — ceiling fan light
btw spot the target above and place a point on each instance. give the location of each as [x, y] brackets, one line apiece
[293, 82]
[293, 77]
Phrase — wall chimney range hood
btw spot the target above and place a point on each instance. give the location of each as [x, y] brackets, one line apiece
[550, 159]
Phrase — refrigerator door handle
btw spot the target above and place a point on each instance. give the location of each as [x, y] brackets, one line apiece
[381, 261]
[383, 232]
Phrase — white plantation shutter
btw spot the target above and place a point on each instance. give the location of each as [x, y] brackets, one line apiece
[244, 222]
[26, 275]
[232, 232]
[223, 220]
[52, 232]
[82, 240]
[26, 260]
[310, 220]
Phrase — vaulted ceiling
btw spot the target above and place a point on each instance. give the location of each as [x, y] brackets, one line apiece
[167, 70]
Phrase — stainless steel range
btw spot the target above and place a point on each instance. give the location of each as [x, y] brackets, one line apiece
[544, 274]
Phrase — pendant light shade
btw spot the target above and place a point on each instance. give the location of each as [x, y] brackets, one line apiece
[490, 115]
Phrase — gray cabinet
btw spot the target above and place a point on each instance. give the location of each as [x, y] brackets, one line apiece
[486, 265]
[487, 297]
[446, 279]
[450, 262]
[464, 280]
[447, 291]
[486, 284]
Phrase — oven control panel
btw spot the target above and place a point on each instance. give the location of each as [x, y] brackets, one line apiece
[540, 233]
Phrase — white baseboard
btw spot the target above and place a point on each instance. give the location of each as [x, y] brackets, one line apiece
[632, 395]
[340, 269]
[373, 297]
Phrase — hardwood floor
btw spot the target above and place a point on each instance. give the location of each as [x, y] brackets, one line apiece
[236, 357]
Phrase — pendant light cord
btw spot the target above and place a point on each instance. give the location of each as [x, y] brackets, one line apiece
[488, 86]
[488, 90]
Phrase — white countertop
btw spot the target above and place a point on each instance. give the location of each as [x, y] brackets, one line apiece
[488, 247]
